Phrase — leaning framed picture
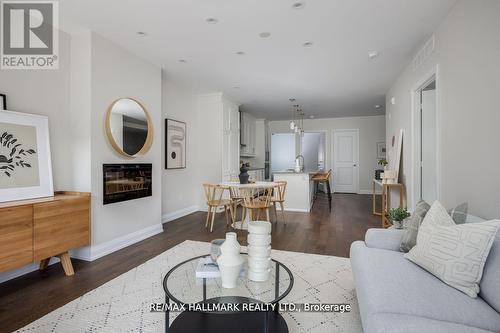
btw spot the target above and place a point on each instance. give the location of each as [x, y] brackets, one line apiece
[3, 102]
[25, 164]
[175, 144]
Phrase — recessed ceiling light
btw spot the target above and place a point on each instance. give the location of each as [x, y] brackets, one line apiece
[182, 60]
[211, 20]
[372, 54]
[298, 5]
[312, 117]
[240, 53]
[378, 106]
[265, 34]
[141, 33]
[307, 44]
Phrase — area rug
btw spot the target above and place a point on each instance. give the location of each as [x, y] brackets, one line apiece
[122, 304]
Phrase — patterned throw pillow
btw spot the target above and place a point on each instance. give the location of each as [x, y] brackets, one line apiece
[412, 224]
[459, 213]
[455, 254]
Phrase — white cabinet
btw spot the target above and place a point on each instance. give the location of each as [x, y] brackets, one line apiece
[230, 140]
[248, 129]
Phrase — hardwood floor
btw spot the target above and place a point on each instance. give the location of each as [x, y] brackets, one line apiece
[29, 297]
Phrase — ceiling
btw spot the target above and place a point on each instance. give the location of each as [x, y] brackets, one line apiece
[332, 78]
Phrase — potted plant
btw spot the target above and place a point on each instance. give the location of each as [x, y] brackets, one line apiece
[383, 162]
[397, 215]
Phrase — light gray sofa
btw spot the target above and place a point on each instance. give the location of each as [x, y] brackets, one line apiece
[395, 295]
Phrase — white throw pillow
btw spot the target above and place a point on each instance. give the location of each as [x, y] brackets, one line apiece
[456, 254]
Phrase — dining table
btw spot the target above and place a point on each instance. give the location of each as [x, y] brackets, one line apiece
[243, 224]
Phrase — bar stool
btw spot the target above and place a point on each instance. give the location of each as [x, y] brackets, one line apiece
[323, 178]
[213, 194]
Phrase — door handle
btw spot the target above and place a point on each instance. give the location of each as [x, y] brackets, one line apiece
[354, 165]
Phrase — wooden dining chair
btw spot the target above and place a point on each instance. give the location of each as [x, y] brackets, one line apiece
[213, 194]
[255, 199]
[236, 200]
[325, 179]
[279, 198]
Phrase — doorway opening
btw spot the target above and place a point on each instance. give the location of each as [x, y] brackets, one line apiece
[426, 166]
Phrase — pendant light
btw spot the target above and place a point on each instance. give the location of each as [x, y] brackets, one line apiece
[292, 121]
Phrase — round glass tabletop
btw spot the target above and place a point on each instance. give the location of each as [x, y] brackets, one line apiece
[183, 287]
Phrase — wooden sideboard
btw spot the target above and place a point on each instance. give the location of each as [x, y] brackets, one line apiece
[38, 229]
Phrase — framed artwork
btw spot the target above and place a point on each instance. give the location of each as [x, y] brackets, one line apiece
[25, 164]
[381, 150]
[175, 144]
[3, 102]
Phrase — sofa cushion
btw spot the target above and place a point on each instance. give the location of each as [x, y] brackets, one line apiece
[490, 283]
[388, 283]
[456, 254]
[397, 323]
[387, 239]
[413, 224]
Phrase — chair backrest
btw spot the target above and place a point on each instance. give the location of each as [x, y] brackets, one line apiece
[255, 196]
[213, 192]
[279, 190]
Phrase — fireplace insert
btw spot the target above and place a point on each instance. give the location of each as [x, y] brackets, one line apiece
[123, 182]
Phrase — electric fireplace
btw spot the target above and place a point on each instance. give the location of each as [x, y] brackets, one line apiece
[123, 182]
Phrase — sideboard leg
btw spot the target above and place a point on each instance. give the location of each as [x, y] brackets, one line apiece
[44, 263]
[66, 263]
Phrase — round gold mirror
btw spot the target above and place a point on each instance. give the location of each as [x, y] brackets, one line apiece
[129, 127]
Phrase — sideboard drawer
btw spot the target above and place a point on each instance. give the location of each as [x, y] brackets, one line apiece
[16, 237]
[59, 226]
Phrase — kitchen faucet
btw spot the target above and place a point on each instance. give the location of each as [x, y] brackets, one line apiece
[298, 166]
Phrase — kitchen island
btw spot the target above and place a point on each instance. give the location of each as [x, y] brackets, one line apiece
[299, 189]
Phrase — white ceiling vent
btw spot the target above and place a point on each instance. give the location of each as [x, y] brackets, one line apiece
[424, 53]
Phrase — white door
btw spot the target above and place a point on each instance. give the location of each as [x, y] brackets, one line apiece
[345, 161]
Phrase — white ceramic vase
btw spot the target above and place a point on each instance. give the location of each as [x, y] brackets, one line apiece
[259, 250]
[230, 261]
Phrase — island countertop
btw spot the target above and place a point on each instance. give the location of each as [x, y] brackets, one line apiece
[298, 173]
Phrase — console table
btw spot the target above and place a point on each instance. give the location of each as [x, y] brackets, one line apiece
[38, 229]
[386, 200]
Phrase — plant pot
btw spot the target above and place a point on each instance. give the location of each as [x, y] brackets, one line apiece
[397, 224]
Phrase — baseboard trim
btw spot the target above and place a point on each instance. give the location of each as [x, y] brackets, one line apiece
[12, 274]
[179, 213]
[100, 250]
[300, 210]
[378, 192]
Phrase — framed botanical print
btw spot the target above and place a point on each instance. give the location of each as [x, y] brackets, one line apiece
[175, 144]
[381, 150]
[25, 164]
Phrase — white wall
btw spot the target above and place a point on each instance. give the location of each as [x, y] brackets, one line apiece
[79, 112]
[467, 52]
[181, 187]
[117, 73]
[371, 131]
[47, 92]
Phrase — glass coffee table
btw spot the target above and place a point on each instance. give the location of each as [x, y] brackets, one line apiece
[183, 288]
